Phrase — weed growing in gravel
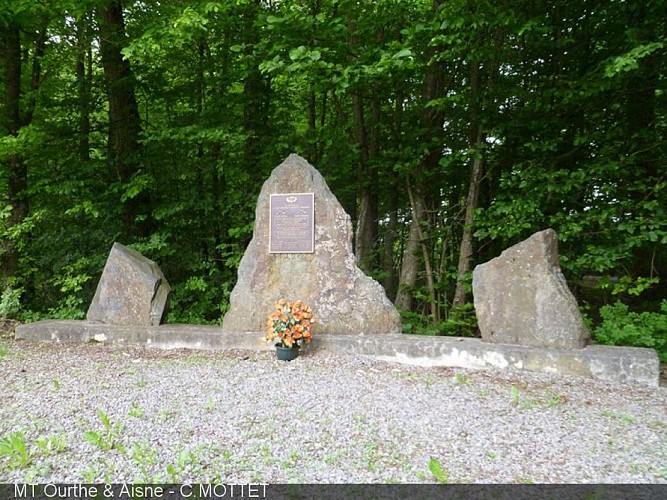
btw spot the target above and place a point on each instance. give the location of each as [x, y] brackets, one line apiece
[52, 445]
[551, 400]
[265, 449]
[555, 400]
[623, 419]
[429, 381]
[165, 415]
[56, 384]
[440, 474]
[96, 472]
[360, 420]
[145, 456]
[3, 351]
[38, 425]
[131, 370]
[292, 461]
[108, 438]
[136, 410]
[626, 419]
[334, 457]
[461, 379]
[90, 474]
[16, 449]
[21, 455]
[185, 457]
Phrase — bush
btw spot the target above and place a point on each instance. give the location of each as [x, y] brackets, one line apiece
[622, 327]
[10, 302]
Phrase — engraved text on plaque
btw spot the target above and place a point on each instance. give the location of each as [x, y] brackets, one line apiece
[292, 223]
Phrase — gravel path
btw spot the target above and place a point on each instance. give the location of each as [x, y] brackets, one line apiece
[239, 417]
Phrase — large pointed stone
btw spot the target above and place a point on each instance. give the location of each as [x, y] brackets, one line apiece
[343, 298]
[521, 297]
[131, 291]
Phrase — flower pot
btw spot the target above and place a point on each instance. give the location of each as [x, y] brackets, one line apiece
[287, 353]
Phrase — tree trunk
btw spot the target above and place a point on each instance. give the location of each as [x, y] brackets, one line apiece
[16, 168]
[312, 126]
[13, 120]
[477, 139]
[390, 237]
[419, 213]
[367, 228]
[409, 269]
[256, 91]
[431, 121]
[465, 253]
[83, 78]
[124, 150]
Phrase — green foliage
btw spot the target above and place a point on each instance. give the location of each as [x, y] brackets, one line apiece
[136, 410]
[10, 303]
[175, 471]
[630, 60]
[460, 322]
[570, 103]
[515, 395]
[15, 449]
[202, 299]
[108, 438]
[145, 456]
[620, 326]
[440, 474]
[51, 445]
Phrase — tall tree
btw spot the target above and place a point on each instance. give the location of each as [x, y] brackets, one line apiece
[19, 108]
[124, 150]
[420, 180]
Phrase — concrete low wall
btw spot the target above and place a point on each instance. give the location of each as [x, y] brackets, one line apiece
[627, 365]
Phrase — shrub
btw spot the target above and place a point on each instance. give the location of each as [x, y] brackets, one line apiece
[10, 302]
[622, 327]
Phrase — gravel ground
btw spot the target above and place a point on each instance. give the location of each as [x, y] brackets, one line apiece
[239, 417]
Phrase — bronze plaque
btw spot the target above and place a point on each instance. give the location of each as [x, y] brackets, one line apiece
[292, 223]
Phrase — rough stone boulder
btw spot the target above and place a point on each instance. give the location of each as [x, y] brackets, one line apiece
[521, 297]
[131, 291]
[344, 300]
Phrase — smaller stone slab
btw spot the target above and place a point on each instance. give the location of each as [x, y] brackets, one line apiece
[521, 297]
[132, 290]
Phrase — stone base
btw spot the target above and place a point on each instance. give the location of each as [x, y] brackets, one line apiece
[626, 365]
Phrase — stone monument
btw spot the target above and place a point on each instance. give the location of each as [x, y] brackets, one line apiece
[131, 291]
[302, 249]
[521, 297]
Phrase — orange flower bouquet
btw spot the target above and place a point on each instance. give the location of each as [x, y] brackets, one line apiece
[290, 324]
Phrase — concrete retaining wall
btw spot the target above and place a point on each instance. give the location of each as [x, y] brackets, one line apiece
[626, 365]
